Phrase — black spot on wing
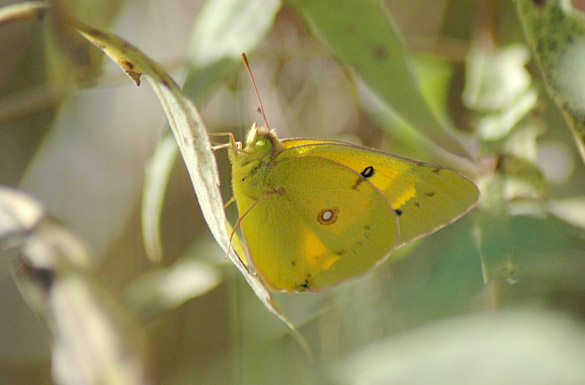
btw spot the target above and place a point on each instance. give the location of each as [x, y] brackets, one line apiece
[368, 172]
[306, 284]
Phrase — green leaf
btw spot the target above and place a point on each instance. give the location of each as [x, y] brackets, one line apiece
[556, 33]
[527, 249]
[155, 183]
[570, 210]
[499, 87]
[223, 30]
[508, 348]
[163, 289]
[360, 34]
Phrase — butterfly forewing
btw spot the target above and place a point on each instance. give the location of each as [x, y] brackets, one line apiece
[424, 197]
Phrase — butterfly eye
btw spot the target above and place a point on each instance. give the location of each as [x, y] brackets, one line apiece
[328, 216]
[262, 142]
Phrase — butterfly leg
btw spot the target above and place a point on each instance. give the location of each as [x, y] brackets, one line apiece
[236, 146]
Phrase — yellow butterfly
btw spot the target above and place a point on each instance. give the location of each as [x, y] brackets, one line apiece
[314, 213]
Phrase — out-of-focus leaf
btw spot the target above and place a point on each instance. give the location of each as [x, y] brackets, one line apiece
[523, 347]
[90, 330]
[28, 10]
[571, 210]
[515, 179]
[434, 74]
[522, 143]
[360, 34]
[556, 33]
[498, 260]
[498, 87]
[523, 179]
[163, 289]
[193, 141]
[497, 125]
[495, 79]
[517, 176]
[223, 30]
[19, 213]
[525, 249]
[436, 277]
[155, 183]
[556, 160]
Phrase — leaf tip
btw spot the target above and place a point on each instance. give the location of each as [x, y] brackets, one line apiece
[131, 71]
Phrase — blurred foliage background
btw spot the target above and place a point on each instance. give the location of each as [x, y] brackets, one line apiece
[497, 297]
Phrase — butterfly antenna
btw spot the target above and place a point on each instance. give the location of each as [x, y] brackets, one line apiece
[245, 60]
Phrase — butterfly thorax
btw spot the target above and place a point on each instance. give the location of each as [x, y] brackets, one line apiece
[250, 165]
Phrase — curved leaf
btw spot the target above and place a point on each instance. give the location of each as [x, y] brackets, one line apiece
[193, 140]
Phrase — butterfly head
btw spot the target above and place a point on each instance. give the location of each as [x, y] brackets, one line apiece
[262, 141]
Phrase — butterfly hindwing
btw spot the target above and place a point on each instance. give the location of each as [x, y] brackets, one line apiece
[317, 223]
